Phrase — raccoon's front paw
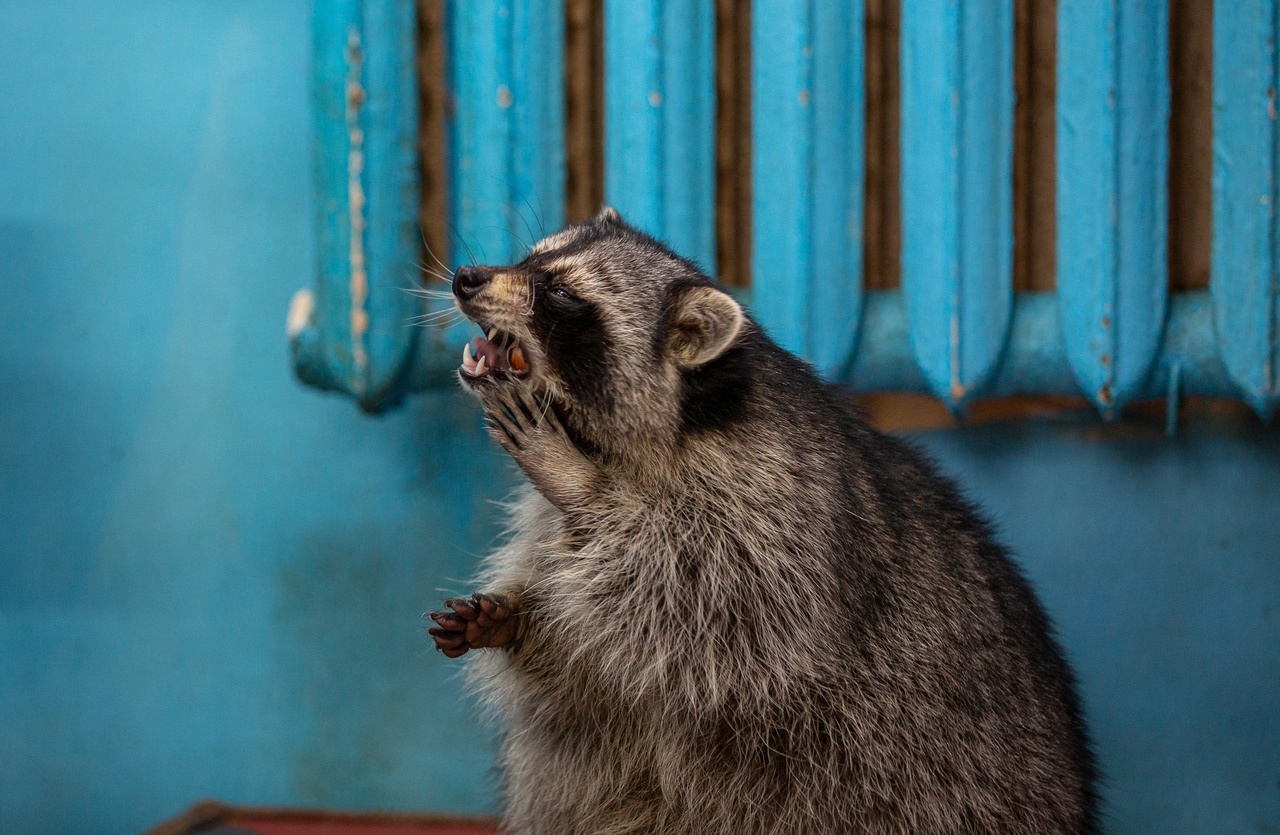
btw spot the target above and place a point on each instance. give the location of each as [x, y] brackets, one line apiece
[531, 432]
[483, 621]
[520, 422]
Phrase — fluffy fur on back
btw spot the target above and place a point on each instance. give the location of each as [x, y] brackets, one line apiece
[739, 608]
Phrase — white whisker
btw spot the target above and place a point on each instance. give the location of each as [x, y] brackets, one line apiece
[519, 239]
[522, 217]
[462, 241]
[428, 294]
[427, 247]
[443, 318]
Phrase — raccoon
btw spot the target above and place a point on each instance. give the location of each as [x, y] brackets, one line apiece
[728, 605]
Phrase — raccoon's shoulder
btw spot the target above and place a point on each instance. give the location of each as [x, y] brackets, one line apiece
[760, 395]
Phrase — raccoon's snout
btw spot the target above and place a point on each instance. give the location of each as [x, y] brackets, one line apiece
[469, 280]
[497, 353]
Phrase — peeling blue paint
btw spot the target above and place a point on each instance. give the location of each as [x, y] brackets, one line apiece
[808, 98]
[659, 123]
[964, 337]
[366, 128]
[1245, 270]
[507, 162]
[957, 189]
[1112, 164]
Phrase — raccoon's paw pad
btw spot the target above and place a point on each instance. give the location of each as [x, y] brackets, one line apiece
[484, 620]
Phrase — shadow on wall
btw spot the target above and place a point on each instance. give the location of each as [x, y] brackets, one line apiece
[351, 603]
[1159, 560]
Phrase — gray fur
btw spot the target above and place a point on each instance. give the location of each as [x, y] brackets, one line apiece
[742, 610]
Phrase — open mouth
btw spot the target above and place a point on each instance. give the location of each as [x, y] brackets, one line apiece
[497, 353]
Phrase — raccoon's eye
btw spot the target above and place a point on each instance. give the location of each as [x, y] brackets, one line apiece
[559, 296]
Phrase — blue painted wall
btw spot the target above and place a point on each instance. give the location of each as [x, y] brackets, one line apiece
[211, 578]
[1160, 562]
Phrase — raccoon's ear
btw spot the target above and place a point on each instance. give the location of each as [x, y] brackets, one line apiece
[704, 322]
[609, 215]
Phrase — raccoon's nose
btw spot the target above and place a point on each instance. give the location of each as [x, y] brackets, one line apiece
[468, 280]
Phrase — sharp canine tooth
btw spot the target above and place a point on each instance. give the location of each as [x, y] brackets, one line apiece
[480, 367]
[466, 352]
[492, 331]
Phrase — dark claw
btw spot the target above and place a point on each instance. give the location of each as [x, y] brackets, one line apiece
[449, 620]
[445, 634]
[481, 621]
[463, 608]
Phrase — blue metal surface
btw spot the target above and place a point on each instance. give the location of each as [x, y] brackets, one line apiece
[808, 98]
[355, 333]
[508, 168]
[1112, 158]
[659, 130]
[1035, 359]
[963, 339]
[957, 188]
[781, 168]
[349, 335]
[1246, 179]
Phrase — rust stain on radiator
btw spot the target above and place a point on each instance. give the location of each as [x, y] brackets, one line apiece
[957, 387]
[359, 286]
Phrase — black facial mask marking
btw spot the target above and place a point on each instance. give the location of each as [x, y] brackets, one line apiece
[715, 395]
[577, 344]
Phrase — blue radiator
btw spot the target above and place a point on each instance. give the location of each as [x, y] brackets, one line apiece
[1111, 329]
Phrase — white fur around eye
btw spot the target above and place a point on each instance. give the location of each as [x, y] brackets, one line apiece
[704, 323]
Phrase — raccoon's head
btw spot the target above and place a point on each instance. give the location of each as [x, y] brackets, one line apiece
[604, 323]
